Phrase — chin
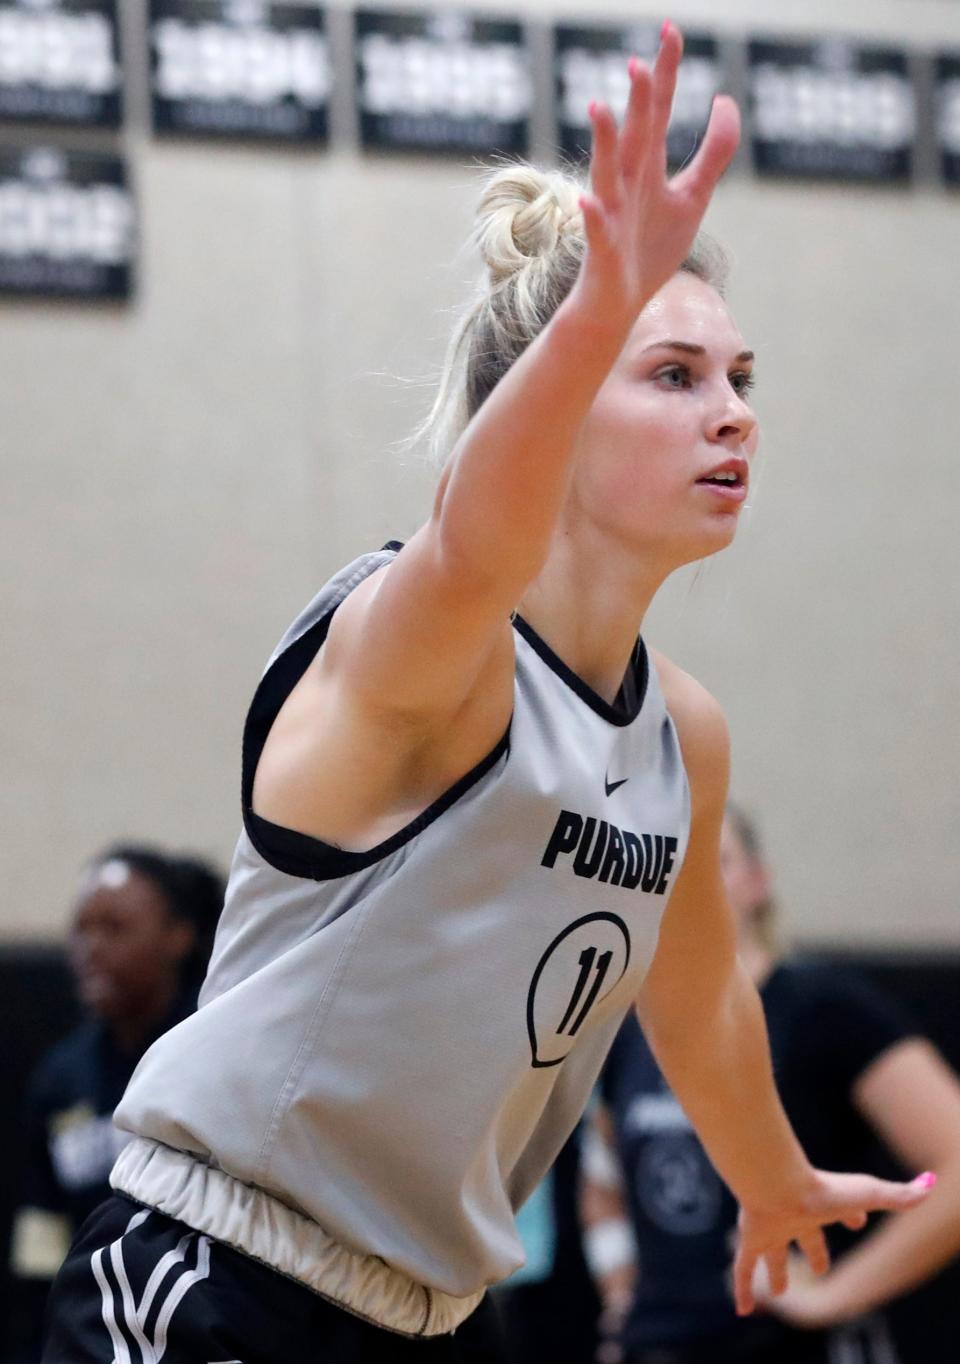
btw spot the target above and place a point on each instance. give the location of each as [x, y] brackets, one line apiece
[101, 1000]
[721, 532]
[704, 545]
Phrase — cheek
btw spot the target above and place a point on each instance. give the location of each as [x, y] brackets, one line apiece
[631, 445]
[138, 956]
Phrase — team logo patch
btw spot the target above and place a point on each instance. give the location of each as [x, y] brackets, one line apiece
[576, 972]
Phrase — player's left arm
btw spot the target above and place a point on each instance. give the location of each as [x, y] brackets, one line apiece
[704, 1021]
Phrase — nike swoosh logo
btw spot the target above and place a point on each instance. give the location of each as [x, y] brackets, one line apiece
[611, 786]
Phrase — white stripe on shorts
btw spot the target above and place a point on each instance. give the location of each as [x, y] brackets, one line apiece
[131, 1328]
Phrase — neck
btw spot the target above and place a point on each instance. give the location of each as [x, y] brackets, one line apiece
[588, 602]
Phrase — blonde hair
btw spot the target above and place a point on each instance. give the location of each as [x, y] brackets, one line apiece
[530, 236]
[765, 916]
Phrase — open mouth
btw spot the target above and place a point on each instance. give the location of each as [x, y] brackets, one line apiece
[729, 479]
[724, 480]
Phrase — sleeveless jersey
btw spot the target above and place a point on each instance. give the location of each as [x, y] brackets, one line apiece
[392, 1046]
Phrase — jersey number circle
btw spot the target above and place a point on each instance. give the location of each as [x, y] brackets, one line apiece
[578, 970]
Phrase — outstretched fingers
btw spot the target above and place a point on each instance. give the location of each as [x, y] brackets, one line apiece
[595, 224]
[744, 1269]
[814, 1246]
[777, 1269]
[605, 179]
[849, 1199]
[720, 141]
[663, 88]
[636, 133]
[866, 1194]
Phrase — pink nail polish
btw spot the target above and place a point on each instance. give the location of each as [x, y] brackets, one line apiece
[633, 66]
[926, 1180]
[665, 29]
[592, 108]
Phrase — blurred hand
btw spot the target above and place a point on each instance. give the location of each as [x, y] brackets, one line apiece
[767, 1233]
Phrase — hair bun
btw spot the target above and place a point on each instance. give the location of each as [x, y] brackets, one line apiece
[522, 216]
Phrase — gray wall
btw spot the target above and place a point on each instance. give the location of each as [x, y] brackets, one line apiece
[179, 475]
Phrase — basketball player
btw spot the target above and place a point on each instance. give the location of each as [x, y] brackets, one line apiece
[472, 803]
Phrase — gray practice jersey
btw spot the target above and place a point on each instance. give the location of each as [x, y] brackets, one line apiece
[392, 1046]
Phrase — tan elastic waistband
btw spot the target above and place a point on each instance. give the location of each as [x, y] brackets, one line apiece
[259, 1225]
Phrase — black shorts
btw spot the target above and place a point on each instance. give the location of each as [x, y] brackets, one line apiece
[140, 1288]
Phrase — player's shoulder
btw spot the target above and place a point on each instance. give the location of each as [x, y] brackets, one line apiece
[699, 719]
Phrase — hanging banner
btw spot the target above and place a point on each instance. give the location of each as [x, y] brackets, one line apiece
[442, 81]
[591, 63]
[60, 62]
[831, 108]
[948, 115]
[67, 224]
[239, 68]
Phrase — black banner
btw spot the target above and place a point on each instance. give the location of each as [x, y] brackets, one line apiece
[443, 81]
[948, 115]
[831, 108]
[239, 68]
[591, 63]
[67, 224]
[60, 63]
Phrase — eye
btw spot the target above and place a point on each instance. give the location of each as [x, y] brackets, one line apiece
[675, 376]
[742, 382]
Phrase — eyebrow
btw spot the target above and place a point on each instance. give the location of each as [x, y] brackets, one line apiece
[689, 348]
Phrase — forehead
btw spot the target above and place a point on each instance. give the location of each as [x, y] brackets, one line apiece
[687, 309]
[132, 895]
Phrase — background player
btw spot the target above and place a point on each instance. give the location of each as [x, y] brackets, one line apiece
[140, 936]
[849, 1069]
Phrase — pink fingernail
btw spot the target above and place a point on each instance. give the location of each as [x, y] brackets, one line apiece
[633, 66]
[665, 29]
[592, 108]
[926, 1180]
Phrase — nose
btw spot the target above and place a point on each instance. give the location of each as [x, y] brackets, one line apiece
[734, 422]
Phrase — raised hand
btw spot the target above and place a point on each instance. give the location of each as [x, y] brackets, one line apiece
[639, 223]
[769, 1233]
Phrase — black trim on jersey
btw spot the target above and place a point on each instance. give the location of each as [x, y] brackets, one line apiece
[630, 698]
[301, 855]
[296, 853]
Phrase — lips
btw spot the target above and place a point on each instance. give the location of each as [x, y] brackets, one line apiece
[728, 479]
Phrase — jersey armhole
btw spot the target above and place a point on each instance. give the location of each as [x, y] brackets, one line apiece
[299, 854]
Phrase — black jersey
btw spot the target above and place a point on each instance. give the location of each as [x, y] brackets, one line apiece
[826, 1026]
[69, 1144]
